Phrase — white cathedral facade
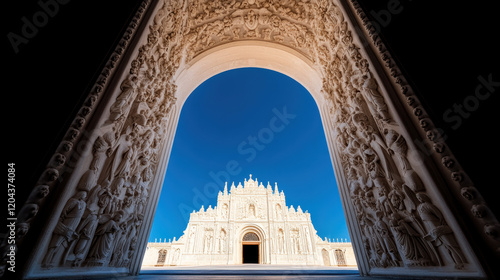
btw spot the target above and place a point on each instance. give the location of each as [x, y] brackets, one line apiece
[250, 224]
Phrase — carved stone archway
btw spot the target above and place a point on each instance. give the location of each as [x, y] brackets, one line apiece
[251, 237]
[399, 205]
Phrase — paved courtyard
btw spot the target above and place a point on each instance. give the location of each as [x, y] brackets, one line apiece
[254, 269]
[247, 271]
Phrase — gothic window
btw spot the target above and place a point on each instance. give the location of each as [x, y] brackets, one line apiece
[326, 258]
[250, 237]
[161, 256]
[339, 255]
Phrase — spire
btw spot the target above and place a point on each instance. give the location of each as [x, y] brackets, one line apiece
[225, 189]
[232, 187]
[276, 188]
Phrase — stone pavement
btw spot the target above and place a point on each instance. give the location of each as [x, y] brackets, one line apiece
[248, 271]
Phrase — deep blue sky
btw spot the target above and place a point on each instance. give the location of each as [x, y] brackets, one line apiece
[258, 122]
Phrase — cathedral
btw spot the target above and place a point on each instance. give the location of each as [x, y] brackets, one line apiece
[250, 224]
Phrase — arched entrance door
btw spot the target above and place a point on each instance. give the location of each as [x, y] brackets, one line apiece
[250, 248]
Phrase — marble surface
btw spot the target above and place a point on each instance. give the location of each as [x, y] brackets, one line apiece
[250, 269]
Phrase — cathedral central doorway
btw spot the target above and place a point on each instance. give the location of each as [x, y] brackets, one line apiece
[250, 248]
[250, 253]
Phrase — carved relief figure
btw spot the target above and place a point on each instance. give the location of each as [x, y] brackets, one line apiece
[308, 240]
[438, 231]
[410, 242]
[191, 240]
[224, 210]
[175, 258]
[208, 241]
[279, 212]
[101, 248]
[295, 236]
[251, 211]
[390, 255]
[96, 203]
[374, 99]
[222, 241]
[281, 241]
[65, 228]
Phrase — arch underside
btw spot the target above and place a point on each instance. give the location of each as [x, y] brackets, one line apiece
[398, 221]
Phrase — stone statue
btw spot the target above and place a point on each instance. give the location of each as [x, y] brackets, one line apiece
[222, 241]
[391, 255]
[410, 242]
[438, 231]
[281, 241]
[374, 99]
[102, 245]
[96, 203]
[208, 241]
[65, 228]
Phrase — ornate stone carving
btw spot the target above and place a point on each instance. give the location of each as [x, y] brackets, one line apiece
[295, 241]
[208, 240]
[124, 158]
[436, 140]
[250, 237]
[438, 231]
[102, 245]
[282, 22]
[59, 161]
[65, 229]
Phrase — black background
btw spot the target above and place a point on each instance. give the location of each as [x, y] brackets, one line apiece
[442, 47]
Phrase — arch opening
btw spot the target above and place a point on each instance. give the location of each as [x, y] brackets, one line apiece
[261, 105]
[368, 135]
[250, 248]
